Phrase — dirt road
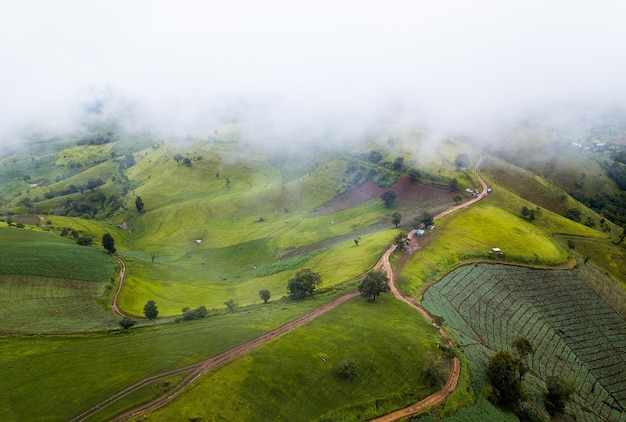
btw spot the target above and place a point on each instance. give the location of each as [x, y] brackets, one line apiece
[195, 371]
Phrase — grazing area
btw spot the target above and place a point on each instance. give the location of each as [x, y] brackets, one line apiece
[397, 363]
[573, 331]
[202, 227]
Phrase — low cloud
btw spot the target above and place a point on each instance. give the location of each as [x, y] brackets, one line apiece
[314, 68]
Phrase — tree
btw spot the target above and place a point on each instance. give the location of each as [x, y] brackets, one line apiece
[414, 175]
[427, 219]
[139, 204]
[374, 283]
[388, 197]
[462, 160]
[26, 201]
[348, 370]
[265, 295]
[401, 241]
[108, 243]
[503, 374]
[305, 282]
[560, 390]
[356, 241]
[177, 158]
[523, 348]
[396, 217]
[375, 156]
[150, 310]
[127, 323]
[192, 314]
[457, 198]
[130, 160]
[230, 305]
[398, 163]
[453, 184]
[187, 161]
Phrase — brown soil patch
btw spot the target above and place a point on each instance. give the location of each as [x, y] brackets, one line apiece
[408, 194]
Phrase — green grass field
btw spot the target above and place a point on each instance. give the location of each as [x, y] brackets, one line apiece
[391, 359]
[65, 369]
[236, 221]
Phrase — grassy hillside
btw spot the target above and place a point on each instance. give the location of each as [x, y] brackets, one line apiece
[385, 354]
[224, 218]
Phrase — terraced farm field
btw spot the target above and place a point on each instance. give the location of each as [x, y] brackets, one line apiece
[575, 332]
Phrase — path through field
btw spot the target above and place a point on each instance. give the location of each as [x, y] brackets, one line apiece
[195, 371]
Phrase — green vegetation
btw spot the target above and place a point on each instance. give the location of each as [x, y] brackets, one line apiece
[40, 363]
[225, 227]
[309, 357]
[487, 307]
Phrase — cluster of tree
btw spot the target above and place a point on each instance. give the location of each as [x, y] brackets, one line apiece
[506, 373]
[425, 220]
[304, 283]
[529, 214]
[611, 206]
[185, 160]
[192, 314]
[99, 138]
[90, 185]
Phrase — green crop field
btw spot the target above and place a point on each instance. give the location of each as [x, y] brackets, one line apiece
[295, 376]
[575, 333]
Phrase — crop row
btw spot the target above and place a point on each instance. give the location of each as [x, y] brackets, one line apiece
[574, 332]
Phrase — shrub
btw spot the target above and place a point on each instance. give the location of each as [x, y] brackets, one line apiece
[348, 370]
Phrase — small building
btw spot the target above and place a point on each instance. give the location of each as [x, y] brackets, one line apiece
[496, 250]
[420, 232]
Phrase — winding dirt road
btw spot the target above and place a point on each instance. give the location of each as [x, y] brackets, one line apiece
[195, 371]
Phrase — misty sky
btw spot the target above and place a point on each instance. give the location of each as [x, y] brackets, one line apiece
[445, 62]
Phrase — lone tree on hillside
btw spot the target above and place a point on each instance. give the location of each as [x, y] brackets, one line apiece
[462, 160]
[150, 310]
[523, 348]
[503, 374]
[388, 198]
[396, 217]
[178, 157]
[347, 370]
[230, 305]
[374, 283]
[401, 241]
[305, 282]
[560, 390]
[139, 204]
[108, 243]
[265, 295]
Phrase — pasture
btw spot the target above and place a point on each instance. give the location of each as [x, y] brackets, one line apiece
[71, 373]
[575, 333]
[296, 375]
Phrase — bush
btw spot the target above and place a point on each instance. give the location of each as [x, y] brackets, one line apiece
[191, 314]
[348, 370]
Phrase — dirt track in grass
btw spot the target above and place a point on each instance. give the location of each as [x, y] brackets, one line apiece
[195, 371]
